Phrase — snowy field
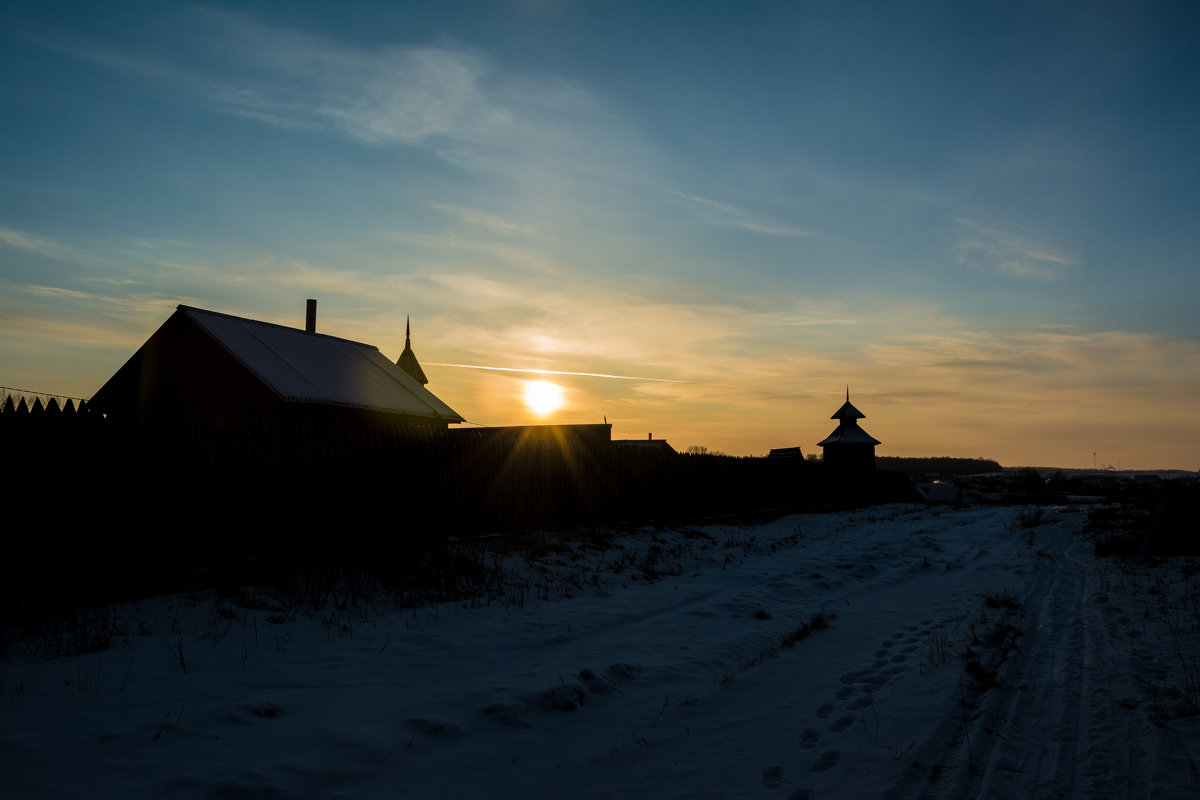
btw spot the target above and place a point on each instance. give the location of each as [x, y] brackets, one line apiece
[966, 655]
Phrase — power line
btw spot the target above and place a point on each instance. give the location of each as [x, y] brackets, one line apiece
[13, 391]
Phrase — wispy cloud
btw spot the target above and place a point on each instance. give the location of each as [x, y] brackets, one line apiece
[557, 372]
[1046, 373]
[54, 291]
[69, 333]
[45, 247]
[448, 99]
[716, 213]
[989, 248]
[110, 260]
[817, 319]
[293, 79]
[128, 304]
[492, 223]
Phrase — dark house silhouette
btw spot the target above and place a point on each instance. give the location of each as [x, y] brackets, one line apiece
[202, 366]
[849, 449]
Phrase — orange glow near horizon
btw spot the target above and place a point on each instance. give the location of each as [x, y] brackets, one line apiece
[543, 397]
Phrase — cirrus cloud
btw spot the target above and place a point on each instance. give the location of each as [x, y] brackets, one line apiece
[989, 248]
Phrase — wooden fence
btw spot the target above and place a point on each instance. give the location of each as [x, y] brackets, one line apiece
[304, 474]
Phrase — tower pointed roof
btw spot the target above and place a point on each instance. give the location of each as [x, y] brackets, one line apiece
[408, 359]
[847, 431]
[847, 411]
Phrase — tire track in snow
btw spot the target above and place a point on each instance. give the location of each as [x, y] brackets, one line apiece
[1045, 730]
[1035, 728]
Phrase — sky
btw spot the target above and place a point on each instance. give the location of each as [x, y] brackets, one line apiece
[702, 221]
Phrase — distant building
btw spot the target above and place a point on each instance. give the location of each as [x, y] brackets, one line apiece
[940, 490]
[849, 448]
[785, 452]
[647, 445]
[202, 366]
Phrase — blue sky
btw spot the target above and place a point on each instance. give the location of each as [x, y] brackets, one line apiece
[979, 216]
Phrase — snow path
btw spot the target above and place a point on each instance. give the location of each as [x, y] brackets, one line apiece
[677, 686]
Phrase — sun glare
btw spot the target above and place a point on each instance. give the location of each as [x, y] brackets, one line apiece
[543, 397]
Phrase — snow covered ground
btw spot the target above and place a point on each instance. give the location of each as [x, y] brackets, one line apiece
[684, 662]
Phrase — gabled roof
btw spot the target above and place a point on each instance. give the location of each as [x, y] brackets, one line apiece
[303, 367]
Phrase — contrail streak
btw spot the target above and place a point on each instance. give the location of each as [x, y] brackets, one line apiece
[557, 372]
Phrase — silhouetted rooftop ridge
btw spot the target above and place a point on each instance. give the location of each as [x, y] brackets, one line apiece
[300, 366]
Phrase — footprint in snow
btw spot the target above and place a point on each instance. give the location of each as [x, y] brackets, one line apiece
[801, 794]
[844, 692]
[508, 713]
[266, 710]
[826, 760]
[841, 723]
[772, 777]
[861, 702]
[436, 728]
[825, 710]
[810, 738]
[595, 683]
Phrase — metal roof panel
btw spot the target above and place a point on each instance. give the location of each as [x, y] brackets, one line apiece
[315, 368]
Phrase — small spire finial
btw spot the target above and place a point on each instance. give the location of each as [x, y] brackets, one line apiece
[847, 393]
[408, 360]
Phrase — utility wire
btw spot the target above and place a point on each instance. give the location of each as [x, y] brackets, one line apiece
[11, 390]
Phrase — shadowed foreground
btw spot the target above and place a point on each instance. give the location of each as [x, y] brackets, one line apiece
[894, 652]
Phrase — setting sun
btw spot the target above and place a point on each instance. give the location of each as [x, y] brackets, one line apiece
[543, 397]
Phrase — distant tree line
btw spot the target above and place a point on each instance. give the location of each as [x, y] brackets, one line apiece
[946, 466]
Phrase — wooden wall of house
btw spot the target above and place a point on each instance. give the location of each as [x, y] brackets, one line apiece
[855, 458]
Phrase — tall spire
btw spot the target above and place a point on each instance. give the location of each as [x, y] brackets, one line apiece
[408, 359]
[848, 411]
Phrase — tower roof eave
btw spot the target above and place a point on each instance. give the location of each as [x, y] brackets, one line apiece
[845, 434]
